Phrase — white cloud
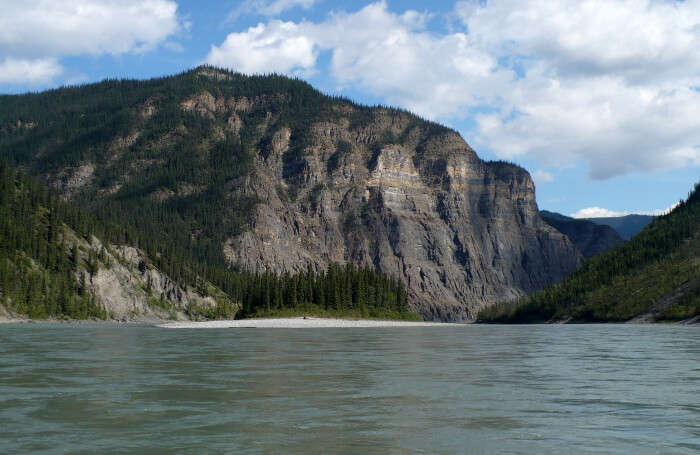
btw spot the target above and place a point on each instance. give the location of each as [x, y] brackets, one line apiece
[389, 54]
[395, 57]
[282, 47]
[541, 176]
[600, 212]
[45, 28]
[28, 72]
[592, 37]
[597, 212]
[616, 128]
[659, 211]
[613, 83]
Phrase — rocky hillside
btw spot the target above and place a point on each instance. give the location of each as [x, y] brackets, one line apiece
[589, 238]
[266, 173]
[52, 265]
[653, 277]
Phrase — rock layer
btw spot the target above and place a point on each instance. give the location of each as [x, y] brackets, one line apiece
[461, 233]
[287, 177]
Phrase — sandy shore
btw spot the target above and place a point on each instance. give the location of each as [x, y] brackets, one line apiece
[297, 323]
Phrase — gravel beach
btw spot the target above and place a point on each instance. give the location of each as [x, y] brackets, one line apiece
[297, 323]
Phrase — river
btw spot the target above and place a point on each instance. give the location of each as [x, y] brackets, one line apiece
[577, 389]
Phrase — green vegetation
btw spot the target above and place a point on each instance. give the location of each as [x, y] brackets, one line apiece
[38, 266]
[163, 167]
[658, 270]
[339, 291]
[41, 269]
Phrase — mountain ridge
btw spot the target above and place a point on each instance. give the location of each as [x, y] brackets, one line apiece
[653, 277]
[627, 226]
[264, 173]
[589, 238]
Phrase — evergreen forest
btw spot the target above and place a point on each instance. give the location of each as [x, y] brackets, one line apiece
[169, 180]
[657, 272]
[43, 271]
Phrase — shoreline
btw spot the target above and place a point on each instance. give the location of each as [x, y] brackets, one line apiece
[301, 323]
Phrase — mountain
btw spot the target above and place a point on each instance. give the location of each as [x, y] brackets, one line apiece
[589, 238]
[627, 226]
[54, 265]
[653, 277]
[264, 174]
[56, 261]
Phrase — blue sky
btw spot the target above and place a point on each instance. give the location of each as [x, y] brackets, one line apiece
[598, 99]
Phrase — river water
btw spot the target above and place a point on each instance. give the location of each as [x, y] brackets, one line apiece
[101, 388]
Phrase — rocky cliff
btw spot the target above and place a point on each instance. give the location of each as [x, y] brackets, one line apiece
[130, 288]
[653, 277]
[460, 232]
[322, 180]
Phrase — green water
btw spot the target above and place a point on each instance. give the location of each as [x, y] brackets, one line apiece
[94, 388]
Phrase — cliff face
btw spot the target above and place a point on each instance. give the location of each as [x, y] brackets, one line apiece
[278, 176]
[460, 232]
[653, 277]
[131, 289]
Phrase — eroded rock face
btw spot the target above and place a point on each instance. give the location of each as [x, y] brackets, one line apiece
[460, 232]
[129, 286]
[334, 182]
[70, 180]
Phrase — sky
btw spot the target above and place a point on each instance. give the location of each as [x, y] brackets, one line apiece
[598, 99]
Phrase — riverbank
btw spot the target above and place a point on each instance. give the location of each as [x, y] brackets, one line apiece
[299, 323]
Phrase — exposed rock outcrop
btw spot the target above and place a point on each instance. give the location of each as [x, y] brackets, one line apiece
[278, 176]
[131, 289]
[460, 232]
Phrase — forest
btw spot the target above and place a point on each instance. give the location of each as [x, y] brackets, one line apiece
[38, 266]
[43, 274]
[169, 180]
[657, 270]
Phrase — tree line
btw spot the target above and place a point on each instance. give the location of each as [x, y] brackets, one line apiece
[627, 280]
[43, 270]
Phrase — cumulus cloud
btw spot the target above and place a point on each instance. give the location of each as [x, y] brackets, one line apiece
[282, 47]
[611, 82]
[40, 28]
[28, 72]
[392, 55]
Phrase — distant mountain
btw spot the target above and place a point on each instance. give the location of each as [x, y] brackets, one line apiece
[555, 216]
[227, 175]
[653, 277]
[627, 226]
[589, 238]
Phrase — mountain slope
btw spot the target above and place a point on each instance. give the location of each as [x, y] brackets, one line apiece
[52, 264]
[627, 226]
[267, 174]
[655, 276]
[589, 238]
